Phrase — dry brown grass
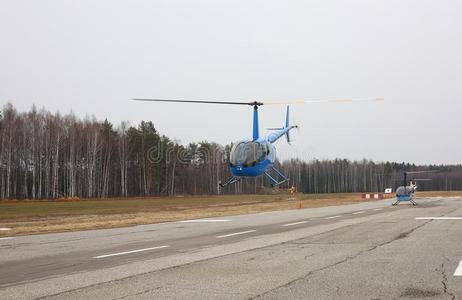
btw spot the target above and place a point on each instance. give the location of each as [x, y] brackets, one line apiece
[32, 217]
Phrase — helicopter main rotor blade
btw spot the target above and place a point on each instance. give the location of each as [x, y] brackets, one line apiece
[197, 101]
[257, 103]
[326, 101]
[420, 172]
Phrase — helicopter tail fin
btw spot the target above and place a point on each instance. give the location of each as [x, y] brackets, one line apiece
[287, 125]
[284, 130]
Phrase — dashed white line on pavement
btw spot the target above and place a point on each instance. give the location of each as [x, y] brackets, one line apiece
[130, 252]
[296, 223]
[204, 221]
[4, 229]
[359, 212]
[236, 233]
[458, 271]
[378, 209]
[439, 218]
[6, 238]
[333, 217]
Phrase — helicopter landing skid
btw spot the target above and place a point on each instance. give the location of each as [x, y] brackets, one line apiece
[410, 200]
[273, 181]
[231, 180]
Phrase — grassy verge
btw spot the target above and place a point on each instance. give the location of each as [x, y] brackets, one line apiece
[31, 217]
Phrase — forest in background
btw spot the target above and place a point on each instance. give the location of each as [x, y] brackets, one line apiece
[46, 155]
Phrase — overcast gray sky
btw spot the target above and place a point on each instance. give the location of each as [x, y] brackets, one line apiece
[92, 56]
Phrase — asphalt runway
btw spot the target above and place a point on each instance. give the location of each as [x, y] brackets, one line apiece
[370, 250]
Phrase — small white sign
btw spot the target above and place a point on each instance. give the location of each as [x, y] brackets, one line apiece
[388, 191]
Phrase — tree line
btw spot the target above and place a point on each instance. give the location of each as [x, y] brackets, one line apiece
[342, 176]
[49, 156]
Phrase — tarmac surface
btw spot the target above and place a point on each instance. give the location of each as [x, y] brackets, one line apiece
[370, 250]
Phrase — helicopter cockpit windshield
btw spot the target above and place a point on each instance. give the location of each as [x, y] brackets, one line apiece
[248, 153]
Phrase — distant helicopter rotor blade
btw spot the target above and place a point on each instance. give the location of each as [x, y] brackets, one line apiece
[197, 101]
[420, 172]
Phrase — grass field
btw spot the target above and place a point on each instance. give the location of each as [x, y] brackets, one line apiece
[30, 217]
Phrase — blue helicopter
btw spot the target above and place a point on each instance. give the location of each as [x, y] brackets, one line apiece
[405, 193]
[255, 157]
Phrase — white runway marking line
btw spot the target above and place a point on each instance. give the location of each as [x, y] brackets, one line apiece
[4, 229]
[333, 217]
[439, 218]
[236, 233]
[296, 223]
[378, 209]
[6, 238]
[359, 212]
[204, 221]
[458, 271]
[130, 252]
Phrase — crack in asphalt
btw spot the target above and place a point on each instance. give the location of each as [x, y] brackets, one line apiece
[136, 294]
[444, 281]
[307, 256]
[346, 259]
